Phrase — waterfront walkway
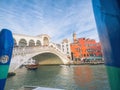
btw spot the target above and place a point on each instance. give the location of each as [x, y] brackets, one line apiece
[90, 62]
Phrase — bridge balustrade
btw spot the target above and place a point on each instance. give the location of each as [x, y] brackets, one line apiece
[28, 50]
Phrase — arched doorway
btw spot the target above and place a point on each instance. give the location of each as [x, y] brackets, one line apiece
[31, 43]
[45, 41]
[22, 43]
[48, 59]
[38, 43]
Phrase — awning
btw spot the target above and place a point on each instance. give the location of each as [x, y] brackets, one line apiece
[94, 58]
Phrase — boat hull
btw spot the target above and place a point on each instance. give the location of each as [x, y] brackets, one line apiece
[31, 67]
[107, 16]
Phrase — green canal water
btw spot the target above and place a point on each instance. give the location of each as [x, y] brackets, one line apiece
[75, 77]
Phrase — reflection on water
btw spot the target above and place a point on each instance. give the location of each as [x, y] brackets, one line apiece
[85, 75]
[64, 77]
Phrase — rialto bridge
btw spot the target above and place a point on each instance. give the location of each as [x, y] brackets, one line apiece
[25, 40]
[27, 47]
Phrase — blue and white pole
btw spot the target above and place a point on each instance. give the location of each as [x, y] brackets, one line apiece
[6, 48]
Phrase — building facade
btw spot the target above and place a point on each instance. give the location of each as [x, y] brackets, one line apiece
[85, 49]
[65, 47]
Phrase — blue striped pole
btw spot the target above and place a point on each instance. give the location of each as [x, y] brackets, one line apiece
[6, 47]
[107, 16]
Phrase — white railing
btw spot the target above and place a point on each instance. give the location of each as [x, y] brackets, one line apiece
[28, 50]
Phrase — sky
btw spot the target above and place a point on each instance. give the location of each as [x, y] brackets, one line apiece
[57, 18]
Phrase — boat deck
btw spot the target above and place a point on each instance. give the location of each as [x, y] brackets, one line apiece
[37, 88]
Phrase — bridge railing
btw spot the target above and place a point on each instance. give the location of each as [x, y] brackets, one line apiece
[27, 50]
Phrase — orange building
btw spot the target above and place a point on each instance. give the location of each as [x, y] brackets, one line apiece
[83, 48]
[75, 51]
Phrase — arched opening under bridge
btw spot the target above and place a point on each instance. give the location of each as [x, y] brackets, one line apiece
[48, 59]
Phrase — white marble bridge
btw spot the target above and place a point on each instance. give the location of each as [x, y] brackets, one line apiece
[21, 55]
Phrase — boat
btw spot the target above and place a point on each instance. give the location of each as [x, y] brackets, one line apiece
[107, 17]
[10, 74]
[31, 65]
[37, 88]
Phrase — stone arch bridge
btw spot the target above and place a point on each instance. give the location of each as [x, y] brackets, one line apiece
[25, 50]
[21, 55]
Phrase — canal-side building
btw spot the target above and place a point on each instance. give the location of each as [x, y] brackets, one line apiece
[75, 51]
[65, 47]
[75, 48]
[85, 49]
[79, 49]
[90, 48]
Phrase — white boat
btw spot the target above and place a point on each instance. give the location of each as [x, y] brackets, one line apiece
[31, 64]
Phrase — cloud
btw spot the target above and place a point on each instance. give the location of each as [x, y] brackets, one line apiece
[57, 18]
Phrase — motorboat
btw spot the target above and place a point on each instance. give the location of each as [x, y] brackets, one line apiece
[31, 64]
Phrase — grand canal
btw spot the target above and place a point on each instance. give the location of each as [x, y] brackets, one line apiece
[74, 77]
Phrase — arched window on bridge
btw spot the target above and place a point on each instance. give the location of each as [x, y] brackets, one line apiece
[45, 41]
[31, 43]
[15, 43]
[38, 43]
[22, 43]
[51, 45]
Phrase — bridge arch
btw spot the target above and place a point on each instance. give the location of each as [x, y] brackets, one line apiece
[64, 60]
[31, 43]
[27, 53]
[48, 58]
[22, 43]
[38, 43]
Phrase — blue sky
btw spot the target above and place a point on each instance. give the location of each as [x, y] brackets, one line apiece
[57, 18]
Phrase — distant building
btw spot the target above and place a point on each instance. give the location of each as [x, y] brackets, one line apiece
[85, 48]
[65, 47]
[74, 38]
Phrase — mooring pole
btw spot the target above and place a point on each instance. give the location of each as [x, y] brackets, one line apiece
[6, 48]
